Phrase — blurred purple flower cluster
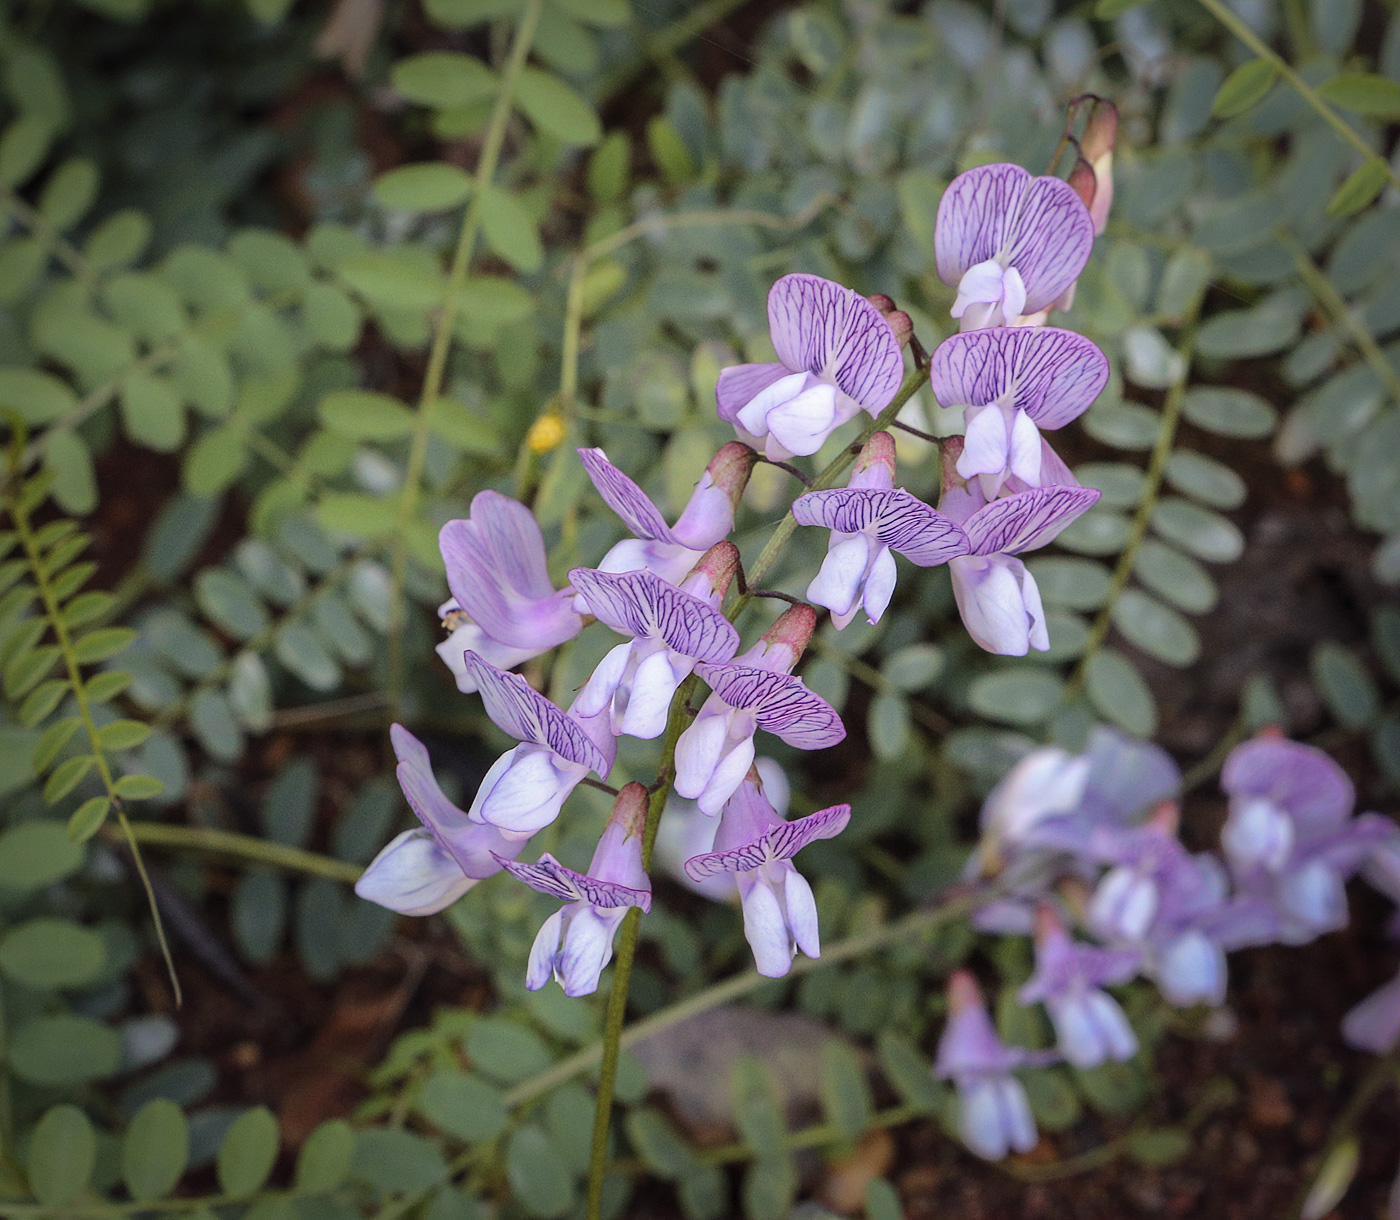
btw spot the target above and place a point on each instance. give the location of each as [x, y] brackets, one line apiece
[1089, 843]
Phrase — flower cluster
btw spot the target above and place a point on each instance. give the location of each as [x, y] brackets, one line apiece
[1090, 843]
[1013, 246]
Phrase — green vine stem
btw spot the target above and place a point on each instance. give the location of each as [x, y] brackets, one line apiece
[249, 848]
[676, 722]
[1142, 518]
[1218, 10]
[442, 337]
[19, 514]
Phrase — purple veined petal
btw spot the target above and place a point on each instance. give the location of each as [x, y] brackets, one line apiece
[625, 498]
[1026, 520]
[548, 876]
[1301, 779]
[902, 522]
[780, 842]
[512, 535]
[836, 334]
[781, 704]
[1051, 241]
[975, 217]
[739, 383]
[520, 710]
[641, 604]
[1052, 375]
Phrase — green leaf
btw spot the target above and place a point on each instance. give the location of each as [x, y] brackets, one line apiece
[1203, 533]
[62, 1154]
[1205, 479]
[539, 1181]
[463, 1105]
[431, 186]
[250, 692]
[118, 240]
[1053, 1100]
[1229, 412]
[123, 734]
[152, 413]
[445, 79]
[215, 461]
[910, 1073]
[1117, 690]
[362, 516]
[510, 230]
[230, 602]
[28, 669]
[664, 1152]
[1365, 93]
[23, 146]
[301, 651]
[70, 191]
[87, 819]
[1162, 1146]
[396, 1161]
[889, 725]
[1107, 10]
[64, 1051]
[463, 428]
[757, 1112]
[608, 168]
[1076, 584]
[1020, 695]
[1175, 577]
[83, 609]
[1348, 690]
[365, 415]
[845, 1092]
[139, 787]
[557, 109]
[38, 397]
[66, 776]
[325, 1157]
[669, 151]
[100, 644]
[882, 1201]
[155, 1149]
[914, 666]
[505, 1050]
[1156, 629]
[54, 738]
[1362, 185]
[41, 701]
[248, 1152]
[47, 953]
[70, 461]
[769, 1189]
[393, 283]
[213, 723]
[331, 316]
[1244, 87]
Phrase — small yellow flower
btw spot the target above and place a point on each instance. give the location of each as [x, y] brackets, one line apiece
[546, 433]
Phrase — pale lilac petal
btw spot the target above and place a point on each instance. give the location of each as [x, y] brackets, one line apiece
[986, 443]
[1026, 520]
[984, 285]
[585, 951]
[1192, 970]
[1013, 297]
[625, 498]
[802, 913]
[513, 538]
[898, 520]
[803, 423]
[698, 751]
[527, 794]
[1052, 375]
[1374, 1024]
[739, 384]
[836, 334]
[1124, 904]
[597, 693]
[780, 842]
[1257, 833]
[1298, 778]
[520, 710]
[649, 697]
[991, 600]
[548, 876]
[1053, 237]
[543, 951]
[707, 518]
[642, 604]
[879, 585]
[1039, 636]
[1316, 895]
[670, 561]
[976, 216]
[837, 584]
[766, 930]
[413, 875]
[727, 776]
[1023, 454]
[781, 703]
[752, 417]
[980, 1118]
[470, 638]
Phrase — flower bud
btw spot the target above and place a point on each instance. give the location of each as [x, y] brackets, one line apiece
[881, 302]
[629, 811]
[730, 468]
[715, 571]
[876, 464]
[791, 633]
[1082, 179]
[902, 325]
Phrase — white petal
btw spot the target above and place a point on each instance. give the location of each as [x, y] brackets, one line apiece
[991, 603]
[1192, 970]
[541, 964]
[986, 442]
[489, 781]
[413, 876]
[1017, 1116]
[754, 415]
[1024, 450]
[1038, 633]
[765, 928]
[1013, 295]
[802, 913]
[1077, 1033]
[980, 1120]
[837, 585]
[530, 793]
[879, 585]
[1120, 1043]
[586, 949]
[649, 699]
[981, 283]
[699, 749]
[1316, 895]
[1257, 832]
[598, 691]
[727, 776]
[802, 424]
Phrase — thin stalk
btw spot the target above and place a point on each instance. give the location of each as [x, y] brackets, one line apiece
[20, 515]
[442, 336]
[1137, 534]
[247, 848]
[59, 246]
[1218, 10]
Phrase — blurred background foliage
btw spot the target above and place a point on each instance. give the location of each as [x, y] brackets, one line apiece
[228, 236]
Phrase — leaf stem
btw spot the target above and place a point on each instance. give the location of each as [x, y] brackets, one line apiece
[244, 847]
[442, 336]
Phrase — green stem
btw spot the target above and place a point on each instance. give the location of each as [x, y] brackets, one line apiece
[19, 513]
[442, 336]
[1142, 519]
[244, 847]
[1218, 10]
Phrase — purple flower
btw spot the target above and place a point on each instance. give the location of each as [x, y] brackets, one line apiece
[1012, 244]
[757, 846]
[1374, 1024]
[1290, 836]
[1069, 978]
[997, 597]
[503, 606]
[526, 787]
[755, 691]
[1011, 383]
[994, 1114]
[671, 628]
[669, 551]
[836, 356]
[575, 943]
[429, 868]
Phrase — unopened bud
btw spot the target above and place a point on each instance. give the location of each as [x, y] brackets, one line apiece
[1083, 182]
[1166, 817]
[629, 811]
[949, 451]
[881, 302]
[876, 464]
[716, 568]
[1047, 922]
[791, 634]
[902, 325]
[730, 468]
[1101, 131]
[963, 992]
